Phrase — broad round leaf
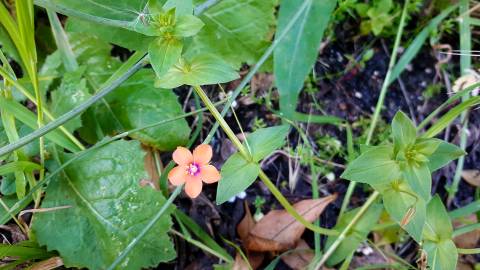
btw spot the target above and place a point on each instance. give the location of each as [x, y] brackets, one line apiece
[107, 210]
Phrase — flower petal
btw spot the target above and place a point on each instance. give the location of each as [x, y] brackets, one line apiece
[182, 156]
[209, 174]
[193, 187]
[202, 154]
[177, 175]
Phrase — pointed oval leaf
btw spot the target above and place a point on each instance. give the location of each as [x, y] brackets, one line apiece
[264, 141]
[403, 130]
[164, 53]
[237, 175]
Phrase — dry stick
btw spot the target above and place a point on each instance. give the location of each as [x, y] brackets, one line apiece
[376, 115]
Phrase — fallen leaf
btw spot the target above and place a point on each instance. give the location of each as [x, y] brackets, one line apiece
[472, 177]
[300, 257]
[279, 231]
[48, 264]
[466, 81]
[151, 168]
[243, 229]
[240, 263]
[470, 239]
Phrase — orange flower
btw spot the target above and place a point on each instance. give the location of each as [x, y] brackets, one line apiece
[193, 168]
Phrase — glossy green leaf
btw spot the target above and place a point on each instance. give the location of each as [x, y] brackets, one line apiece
[199, 70]
[238, 31]
[71, 93]
[356, 235]
[375, 166]
[164, 53]
[237, 175]
[420, 179]
[108, 208]
[441, 251]
[137, 103]
[403, 130]
[444, 153]
[187, 26]
[399, 200]
[264, 141]
[297, 52]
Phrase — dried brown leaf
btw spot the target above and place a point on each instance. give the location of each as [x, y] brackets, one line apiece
[48, 264]
[472, 177]
[278, 230]
[470, 239]
[246, 225]
[300, 257]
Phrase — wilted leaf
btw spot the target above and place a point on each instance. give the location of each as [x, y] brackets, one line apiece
[278, 230]
[472, 177]
[300, 257]
[108, 210]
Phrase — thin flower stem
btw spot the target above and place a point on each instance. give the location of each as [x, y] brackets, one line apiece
[343, 234]
[241, 148]
[468, 250]
[200, 245]
[381, 98]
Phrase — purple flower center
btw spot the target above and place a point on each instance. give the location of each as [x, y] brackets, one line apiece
[193, 169]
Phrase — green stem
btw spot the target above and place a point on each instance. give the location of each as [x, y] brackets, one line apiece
[147, 228]
[73, 113]
[343, 234]
[276, 193]
[466, 229]
[381, 98]
[201, 245]
[465, 65]
[468, 250]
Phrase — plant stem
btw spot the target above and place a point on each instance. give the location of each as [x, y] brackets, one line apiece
[74, 112]
[465, 65]
[468, 250]
[276, 193]
[343, 234]
[200, 245]
[381, 98]
[150, 224]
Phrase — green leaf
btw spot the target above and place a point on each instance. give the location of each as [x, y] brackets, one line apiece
[237, 175]
[30, 119]
[71, 93]
[108, 209]
[238, 31]
[297, 52]
[24, 250]
[199, 70]
[116, 35]
[356, 235]
[441, 255]
[183, 7]
[444, 153]
[420, 179]
[403, 130]
[18, 166]
[164, 53]
[375, 166]
[438, 224]
[441, 251]
[427, 147]
[187, 26]
[7, 186]
[399, 199]
[264, 141]
[136, 103]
